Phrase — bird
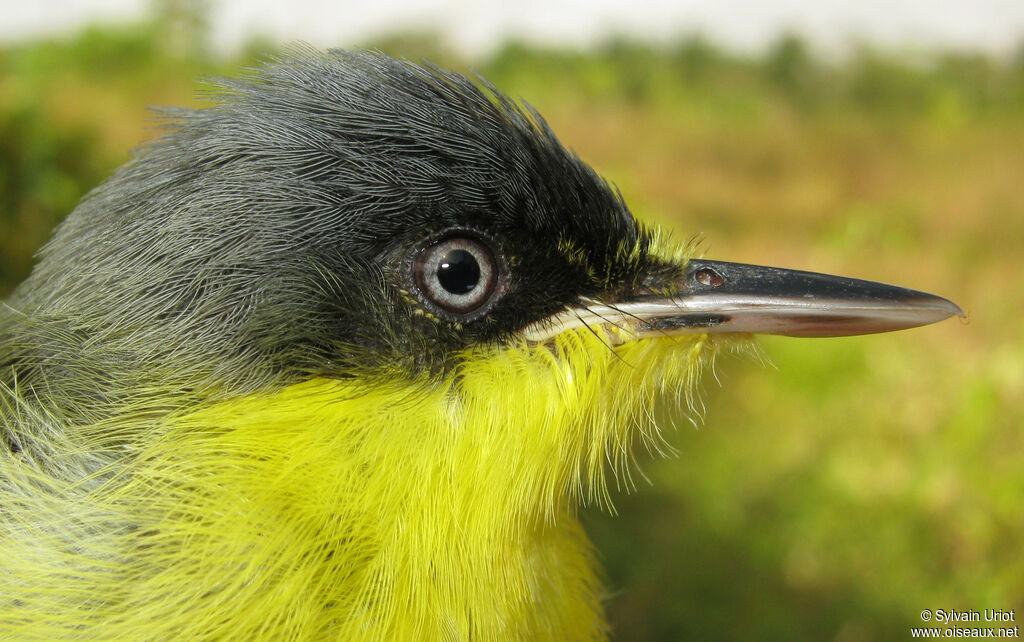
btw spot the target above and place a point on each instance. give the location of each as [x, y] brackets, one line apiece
[340, 356]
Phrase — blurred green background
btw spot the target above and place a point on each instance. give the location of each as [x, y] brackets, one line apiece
[832, 496]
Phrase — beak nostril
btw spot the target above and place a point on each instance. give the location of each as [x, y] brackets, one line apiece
[707, 276]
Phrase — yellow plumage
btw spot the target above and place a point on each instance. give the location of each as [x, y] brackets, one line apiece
[415, 510]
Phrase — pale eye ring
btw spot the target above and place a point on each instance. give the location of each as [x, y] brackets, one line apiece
[459, 275]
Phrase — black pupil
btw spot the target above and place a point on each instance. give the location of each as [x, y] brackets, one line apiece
[458, 272]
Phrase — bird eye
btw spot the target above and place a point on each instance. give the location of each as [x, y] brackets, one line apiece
[459, 275]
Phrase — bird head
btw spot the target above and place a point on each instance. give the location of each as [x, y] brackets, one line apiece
[363, 297]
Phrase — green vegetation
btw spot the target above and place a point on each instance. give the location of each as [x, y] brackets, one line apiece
[834, 496]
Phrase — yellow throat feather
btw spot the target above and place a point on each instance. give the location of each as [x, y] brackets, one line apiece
[426, 510]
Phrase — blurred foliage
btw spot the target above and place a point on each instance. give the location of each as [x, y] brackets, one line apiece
[832, 497]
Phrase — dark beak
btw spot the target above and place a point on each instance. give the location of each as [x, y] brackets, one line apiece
[720, 297]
